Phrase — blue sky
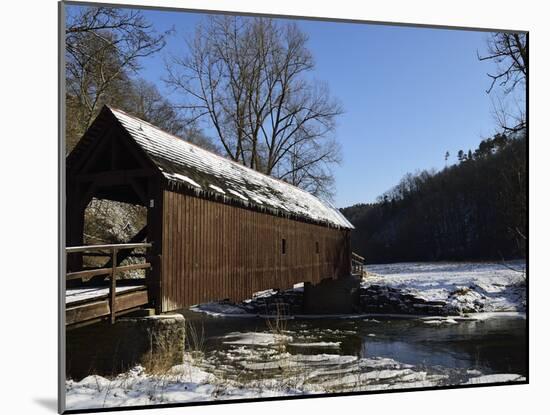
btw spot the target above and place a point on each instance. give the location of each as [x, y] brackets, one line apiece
[409, 95]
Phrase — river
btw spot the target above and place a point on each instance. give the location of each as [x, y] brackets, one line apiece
[441, 353]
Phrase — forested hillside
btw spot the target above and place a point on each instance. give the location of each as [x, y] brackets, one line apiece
[475, 209]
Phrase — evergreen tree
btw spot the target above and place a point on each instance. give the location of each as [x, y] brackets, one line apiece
[469, 211]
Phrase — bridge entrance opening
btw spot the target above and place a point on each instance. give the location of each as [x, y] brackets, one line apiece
[113, 201]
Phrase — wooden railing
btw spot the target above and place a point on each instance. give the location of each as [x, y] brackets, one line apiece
[111, 271]
[357, 262]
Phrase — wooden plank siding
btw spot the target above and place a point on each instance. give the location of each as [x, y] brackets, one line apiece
[213, 251]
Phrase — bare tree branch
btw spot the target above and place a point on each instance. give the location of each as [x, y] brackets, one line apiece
[246, 78]
[103, 45]
[509, 52]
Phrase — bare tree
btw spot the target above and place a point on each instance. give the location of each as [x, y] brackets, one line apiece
[510, 53]
[146, 102]
[103, 50]
[248, 78]
[103, 46]
[143, 100]
[509, 114]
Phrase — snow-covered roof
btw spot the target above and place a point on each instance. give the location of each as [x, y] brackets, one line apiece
[185, 164]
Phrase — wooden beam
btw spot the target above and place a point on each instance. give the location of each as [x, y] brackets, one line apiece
[100, 319]
[86, 312]
[94, 152]
[122, 255]
[101, 309]
[112, 287]
[128, 285]
[357, 257]
[91, 139]
[88, 196]
[103, 255]
[71, 249]
[137, 238]
[112, 174]
[105, 271]
[74, 214]
[134, 149]
[155, 214]
[131, 300]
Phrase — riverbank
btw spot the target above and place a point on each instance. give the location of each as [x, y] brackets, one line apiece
[455, 287]
[264, 347]
[428, 289]
[246, 358]
[189, 382]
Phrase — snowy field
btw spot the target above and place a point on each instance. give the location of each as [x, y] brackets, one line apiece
[496, 287]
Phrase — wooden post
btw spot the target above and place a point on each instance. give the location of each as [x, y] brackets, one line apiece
[75, 225]
[112, 286]
[154, 236]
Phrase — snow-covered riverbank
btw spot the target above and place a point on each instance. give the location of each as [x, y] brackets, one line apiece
[295, 375]
[359, 352]
[314, 358]
[459, 287]
[442, 289]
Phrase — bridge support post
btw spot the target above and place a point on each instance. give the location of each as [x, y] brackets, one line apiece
[332, 296]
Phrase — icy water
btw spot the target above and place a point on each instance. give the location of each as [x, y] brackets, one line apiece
[247, 358]
[337, 352]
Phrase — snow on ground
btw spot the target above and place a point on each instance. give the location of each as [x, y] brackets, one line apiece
[183, 383]
[142, 389]
[494, 286]
[459, 288]
[258, 375]
[498, 378]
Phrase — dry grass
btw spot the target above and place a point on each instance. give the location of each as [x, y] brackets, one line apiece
[195, 340]
[460, 291]
[278, 325]
[165, 351]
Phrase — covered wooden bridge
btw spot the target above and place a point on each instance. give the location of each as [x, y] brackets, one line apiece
[215, 229]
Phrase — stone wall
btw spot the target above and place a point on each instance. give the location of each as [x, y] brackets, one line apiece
[107, 349]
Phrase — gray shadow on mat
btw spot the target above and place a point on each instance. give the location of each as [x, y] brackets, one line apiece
[48, 403]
